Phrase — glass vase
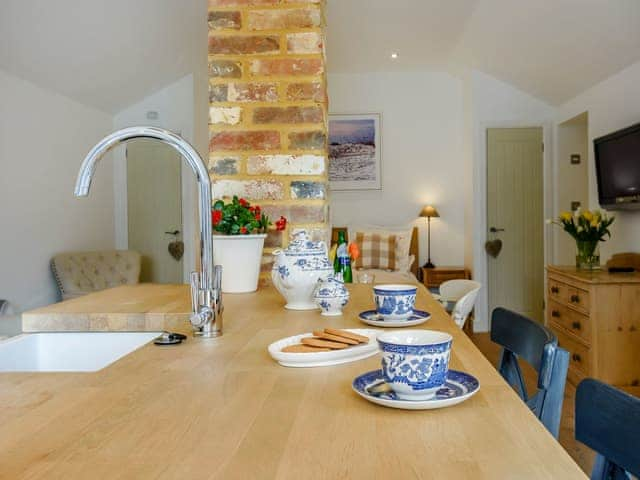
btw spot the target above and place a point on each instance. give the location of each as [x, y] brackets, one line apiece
[587, 254]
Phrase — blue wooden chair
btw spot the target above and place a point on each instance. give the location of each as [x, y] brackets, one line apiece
[523, 338]
[608, 421]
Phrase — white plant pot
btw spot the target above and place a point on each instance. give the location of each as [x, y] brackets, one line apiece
[240, 257]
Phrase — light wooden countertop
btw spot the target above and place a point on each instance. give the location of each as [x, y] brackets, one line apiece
[141, 307]
[596, 277]
[222, 408]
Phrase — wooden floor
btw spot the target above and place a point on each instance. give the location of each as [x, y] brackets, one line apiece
[580, 453]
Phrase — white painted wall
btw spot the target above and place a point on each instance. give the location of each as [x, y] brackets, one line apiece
[422, 156]
[174, 105]
[611, 105]
[434, 151]
[43, 139]
[571, 181]
[497, 104]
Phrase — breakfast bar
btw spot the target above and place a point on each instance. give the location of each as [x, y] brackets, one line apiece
[223, 408]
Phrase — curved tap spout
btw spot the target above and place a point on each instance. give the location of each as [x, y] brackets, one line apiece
[208, 295]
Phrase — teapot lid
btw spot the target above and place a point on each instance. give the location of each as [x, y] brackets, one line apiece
[301, 243]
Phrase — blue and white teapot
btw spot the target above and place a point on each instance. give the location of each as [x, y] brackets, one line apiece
[297, 268]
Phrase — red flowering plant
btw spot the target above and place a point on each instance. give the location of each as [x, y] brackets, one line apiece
[239, 217]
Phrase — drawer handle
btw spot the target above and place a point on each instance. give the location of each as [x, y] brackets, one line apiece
[576, 325]
[555, 290]
[555, 313]
[575, 298]
[576, 358]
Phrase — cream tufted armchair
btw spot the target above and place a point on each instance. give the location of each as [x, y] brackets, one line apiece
[80, 273]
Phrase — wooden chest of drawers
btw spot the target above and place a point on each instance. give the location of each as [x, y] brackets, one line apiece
[433, 277]
[596, 316]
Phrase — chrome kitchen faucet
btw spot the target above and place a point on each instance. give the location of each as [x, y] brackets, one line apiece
[206, 285]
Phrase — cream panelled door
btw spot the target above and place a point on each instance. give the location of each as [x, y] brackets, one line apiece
[515, 216]
[154, 203]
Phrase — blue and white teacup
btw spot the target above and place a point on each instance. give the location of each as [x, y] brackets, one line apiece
[415, 363]
[395, 302]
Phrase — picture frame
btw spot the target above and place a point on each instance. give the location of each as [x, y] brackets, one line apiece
[355, 151]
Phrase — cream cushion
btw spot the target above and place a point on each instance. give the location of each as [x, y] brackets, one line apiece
[80, 273]
[403, 242]
[376, 251]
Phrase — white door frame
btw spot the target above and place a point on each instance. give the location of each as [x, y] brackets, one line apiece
[480, 266]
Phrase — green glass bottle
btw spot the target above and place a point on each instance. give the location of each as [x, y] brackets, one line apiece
[347, 273]
[342, 250]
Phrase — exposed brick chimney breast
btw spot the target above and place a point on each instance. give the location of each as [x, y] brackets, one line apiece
[268, 109]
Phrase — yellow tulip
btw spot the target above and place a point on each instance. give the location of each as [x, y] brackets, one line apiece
[565, 216]
[587, 215]
[595, 223]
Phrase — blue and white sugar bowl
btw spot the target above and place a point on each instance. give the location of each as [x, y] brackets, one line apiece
[395, 302]
[415, 363]
[331, 295]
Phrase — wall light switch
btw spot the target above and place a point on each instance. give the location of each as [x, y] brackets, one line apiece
[575, 159]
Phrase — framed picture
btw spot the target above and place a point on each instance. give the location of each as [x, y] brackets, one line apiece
[355, 152]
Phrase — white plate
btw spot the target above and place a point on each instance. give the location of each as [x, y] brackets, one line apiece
[323, 359]
[460, 386]
[371, 317]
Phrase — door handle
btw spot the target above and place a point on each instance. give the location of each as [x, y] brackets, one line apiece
[175, 232]
[496, 230]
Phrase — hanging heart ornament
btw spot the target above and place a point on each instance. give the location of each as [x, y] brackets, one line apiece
[493, 247]
[176, 249]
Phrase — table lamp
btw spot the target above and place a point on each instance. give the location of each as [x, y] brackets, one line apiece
[429, 212]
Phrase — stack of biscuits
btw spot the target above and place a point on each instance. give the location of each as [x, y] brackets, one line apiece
[327, 340]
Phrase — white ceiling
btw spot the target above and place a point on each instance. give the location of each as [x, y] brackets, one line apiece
[111, 53]
[552, 49]
[362, 34]
[104, 53]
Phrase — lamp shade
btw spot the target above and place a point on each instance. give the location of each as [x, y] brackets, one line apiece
[429, 211]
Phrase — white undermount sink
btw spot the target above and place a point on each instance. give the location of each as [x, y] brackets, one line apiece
[68, 351]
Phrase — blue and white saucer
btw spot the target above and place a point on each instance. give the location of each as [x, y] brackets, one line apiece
[371, 317]
[459, 387]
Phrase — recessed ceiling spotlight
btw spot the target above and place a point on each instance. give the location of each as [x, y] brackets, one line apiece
[394, 55]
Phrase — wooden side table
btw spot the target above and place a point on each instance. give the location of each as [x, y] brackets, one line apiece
[433, 277]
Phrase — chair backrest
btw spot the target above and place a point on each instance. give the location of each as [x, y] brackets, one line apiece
[521, 337]
[79, 273]
[608, 421]
[526, 338]
[463, 307]
[454, 290]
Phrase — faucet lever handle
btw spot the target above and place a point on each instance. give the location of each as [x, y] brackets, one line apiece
[217, 277]
[195, 291]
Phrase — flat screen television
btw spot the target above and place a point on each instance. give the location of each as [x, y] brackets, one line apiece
[617, 158]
